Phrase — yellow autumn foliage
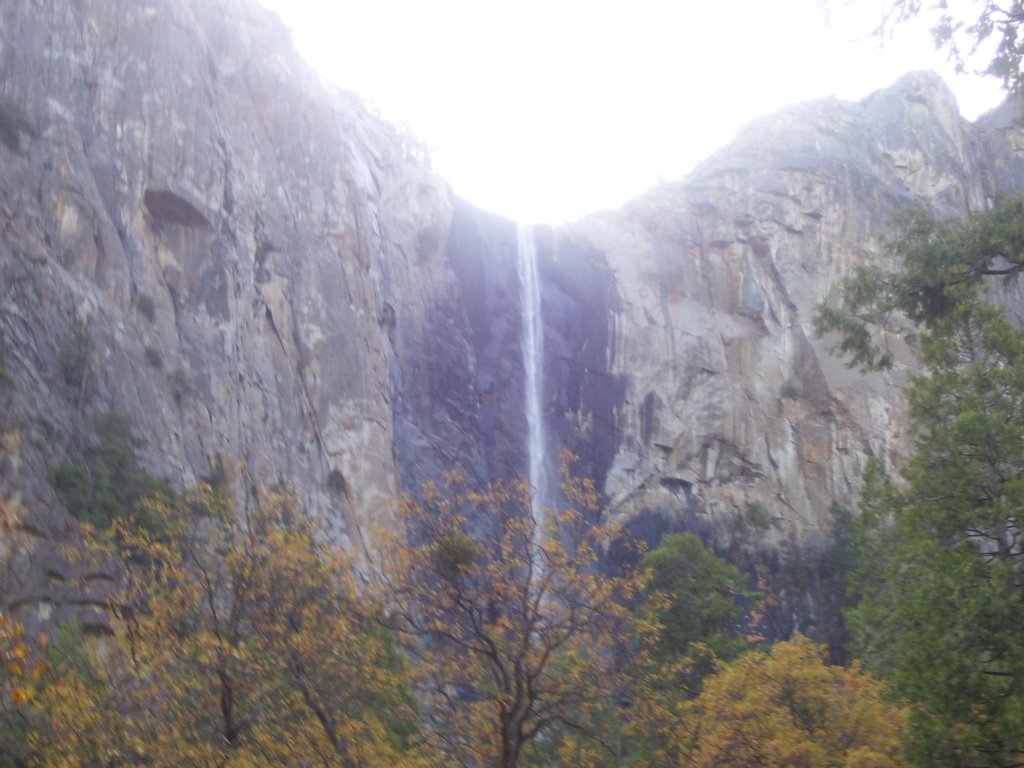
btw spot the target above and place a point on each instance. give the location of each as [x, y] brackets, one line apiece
[512, 629]
[238, 640]
[785, 708]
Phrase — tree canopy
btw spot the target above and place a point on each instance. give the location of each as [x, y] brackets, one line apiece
[695, 599]
[938, 268]
[21, 669]
[989, 30]
[689, 618]
[236, 640]
[514, 635]
[941, 610]
[785, 708]
[941, 580]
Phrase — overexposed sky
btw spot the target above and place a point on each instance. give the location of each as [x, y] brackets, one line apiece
[544, 110]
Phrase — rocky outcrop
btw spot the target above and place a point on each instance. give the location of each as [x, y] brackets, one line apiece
[233, 236]
[681, 363]
[733, 409]
[259, 273]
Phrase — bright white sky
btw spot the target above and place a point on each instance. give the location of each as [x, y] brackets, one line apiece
[544, 110]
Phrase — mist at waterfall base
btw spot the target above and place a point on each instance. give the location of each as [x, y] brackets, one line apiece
[542, 111]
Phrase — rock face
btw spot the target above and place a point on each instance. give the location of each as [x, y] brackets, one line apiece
[259, 273]
[732, 405]
[233, 237]
[733, 410]
[681, 363]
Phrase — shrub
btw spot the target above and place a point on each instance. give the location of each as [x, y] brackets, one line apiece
[74, 353]
[454, 553]
[754, 518]
[758, 515]
[103, 480]
[336, 482]
[218, 478]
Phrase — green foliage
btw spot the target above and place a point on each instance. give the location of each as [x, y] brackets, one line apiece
[454, 554]
[939, 582]
[47, 426]
[689, 619]
[962, 34]
[74, 353]
[70, 652]
[941, 573]
[103, 480]
[695, 596]
[941, 268]
[752, 520]
[834, 568]
[240, 640]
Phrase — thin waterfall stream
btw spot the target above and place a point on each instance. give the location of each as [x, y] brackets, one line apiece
[533, 364]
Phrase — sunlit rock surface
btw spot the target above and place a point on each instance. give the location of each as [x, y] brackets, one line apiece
[272, 279]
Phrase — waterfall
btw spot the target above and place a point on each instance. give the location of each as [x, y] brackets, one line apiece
[533, 364]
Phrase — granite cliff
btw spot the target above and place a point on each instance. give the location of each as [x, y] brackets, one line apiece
[681, 363]
[270, 278]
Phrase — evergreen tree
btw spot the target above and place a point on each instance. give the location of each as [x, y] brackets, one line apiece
[688, 620]
[993, 27]
[942, 611]
[940, 577]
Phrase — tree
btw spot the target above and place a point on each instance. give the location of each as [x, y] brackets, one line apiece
[514, 634]
[103, 479]
[991, 30]
[693, 597]
[940, 578]
[939, 267]
[785, 708]
[21, 668]
[942, 612]
[689, 619]
[235, 641]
